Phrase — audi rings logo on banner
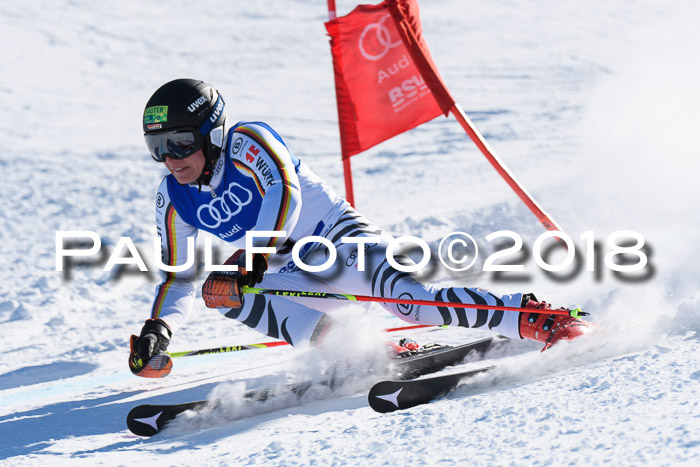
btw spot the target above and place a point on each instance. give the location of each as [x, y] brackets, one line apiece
[223, 208]
[375, 40]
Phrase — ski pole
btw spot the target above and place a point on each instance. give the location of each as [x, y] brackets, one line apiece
[265, 345]
[576, 312]
[231, 348]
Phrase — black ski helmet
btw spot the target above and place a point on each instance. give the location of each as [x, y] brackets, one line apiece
[188, 104]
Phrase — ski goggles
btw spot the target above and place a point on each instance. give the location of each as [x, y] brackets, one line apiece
[177, 144]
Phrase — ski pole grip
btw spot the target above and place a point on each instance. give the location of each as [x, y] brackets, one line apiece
[577, 313]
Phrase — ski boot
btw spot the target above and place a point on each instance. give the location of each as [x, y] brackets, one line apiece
[404, 348]
[550, 329]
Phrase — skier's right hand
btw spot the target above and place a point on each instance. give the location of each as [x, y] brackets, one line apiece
[148, 357]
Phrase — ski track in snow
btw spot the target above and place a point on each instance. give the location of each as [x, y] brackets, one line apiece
[591, 107]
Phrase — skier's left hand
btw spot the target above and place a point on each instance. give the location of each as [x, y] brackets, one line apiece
[255, 275]
[222, 288]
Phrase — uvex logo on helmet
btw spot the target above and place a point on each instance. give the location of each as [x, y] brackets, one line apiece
[195, 105]
[217, 111]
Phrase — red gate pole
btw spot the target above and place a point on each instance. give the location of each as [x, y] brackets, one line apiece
[405, 15]
[502, 170]
[347, 169]
[331, 10]
[347, 172]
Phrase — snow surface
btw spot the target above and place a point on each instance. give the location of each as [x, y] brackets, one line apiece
[593, 105]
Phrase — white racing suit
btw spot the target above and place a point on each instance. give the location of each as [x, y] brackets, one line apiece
[259, 185]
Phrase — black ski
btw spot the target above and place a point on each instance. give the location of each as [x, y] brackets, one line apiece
[433, 359]
[388, 396]
[149, 419]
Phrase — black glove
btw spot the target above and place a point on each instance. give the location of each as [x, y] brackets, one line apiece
[153, 340]
[255, 276]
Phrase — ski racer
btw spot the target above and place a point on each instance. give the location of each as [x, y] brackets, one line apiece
[230, 179]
